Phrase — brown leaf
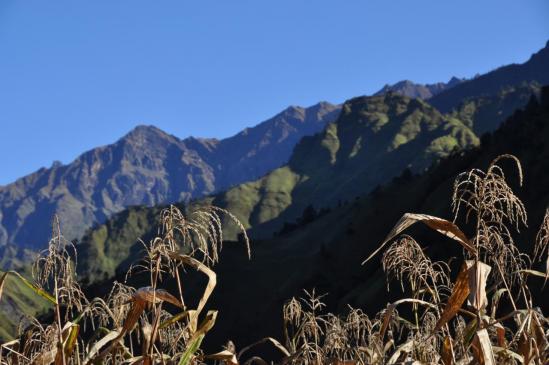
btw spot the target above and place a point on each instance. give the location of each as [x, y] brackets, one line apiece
[447, 354]
[386, 320]
[500, 332]
[138, 307]
[150, 295]
[440, 225]
[212, 277]
[482, 348]
[478, 274]
[525, 348]
[228, 357]
[460, 292]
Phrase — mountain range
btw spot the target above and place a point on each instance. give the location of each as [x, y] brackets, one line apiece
[374, 140]
[348, 162]
[147, 166]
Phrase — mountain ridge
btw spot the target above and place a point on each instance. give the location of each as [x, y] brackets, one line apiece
[535, 69]
[147, 166]
[414, 90]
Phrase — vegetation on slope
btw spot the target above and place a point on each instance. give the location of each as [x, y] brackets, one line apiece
[373, 140]
[448, 317]
[147, 167]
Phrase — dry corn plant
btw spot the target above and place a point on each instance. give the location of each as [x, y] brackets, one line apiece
[132, 325]
[453, 323]
[460, 323]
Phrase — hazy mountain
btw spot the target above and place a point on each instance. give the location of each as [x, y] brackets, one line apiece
[485, 113]
[147, 167]
[422, 91]
[536, 69]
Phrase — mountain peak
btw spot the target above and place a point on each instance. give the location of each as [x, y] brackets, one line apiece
[454, 81]
[146, 132]
[413, 90]
[542, 54]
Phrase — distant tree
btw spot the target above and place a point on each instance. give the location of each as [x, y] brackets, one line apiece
[309, 214]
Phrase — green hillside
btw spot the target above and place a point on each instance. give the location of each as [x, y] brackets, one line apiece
[374, 140]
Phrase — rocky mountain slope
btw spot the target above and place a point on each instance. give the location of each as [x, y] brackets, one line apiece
[147, 167]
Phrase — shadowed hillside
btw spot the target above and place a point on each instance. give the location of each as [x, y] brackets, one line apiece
[491, 83]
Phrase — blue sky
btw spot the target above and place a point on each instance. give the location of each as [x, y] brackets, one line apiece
[78, 74]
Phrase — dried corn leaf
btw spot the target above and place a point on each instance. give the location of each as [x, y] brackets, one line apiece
[386, 320]
[525, 348]
[460, 292]
[447, 355]
[138, 307]
[405, 348]
[482, 348]
[228, 357]
[478, 274]
[535, 273]
[112, 335]
[500, 332]
[151, 295]
[207, 324]
[212, 277]
[440, 225]
[270, 340]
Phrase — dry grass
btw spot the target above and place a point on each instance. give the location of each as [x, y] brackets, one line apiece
[131, 325]
[453, 323]
[459, 322]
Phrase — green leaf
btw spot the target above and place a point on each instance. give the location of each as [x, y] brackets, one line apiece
[193, 347]
[41, 292]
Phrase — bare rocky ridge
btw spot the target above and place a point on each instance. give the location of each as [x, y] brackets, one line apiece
[148, 167]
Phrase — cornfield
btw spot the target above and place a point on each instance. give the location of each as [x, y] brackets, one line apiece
[459, 321]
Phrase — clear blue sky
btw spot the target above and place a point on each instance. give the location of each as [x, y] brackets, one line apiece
[78, 74]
